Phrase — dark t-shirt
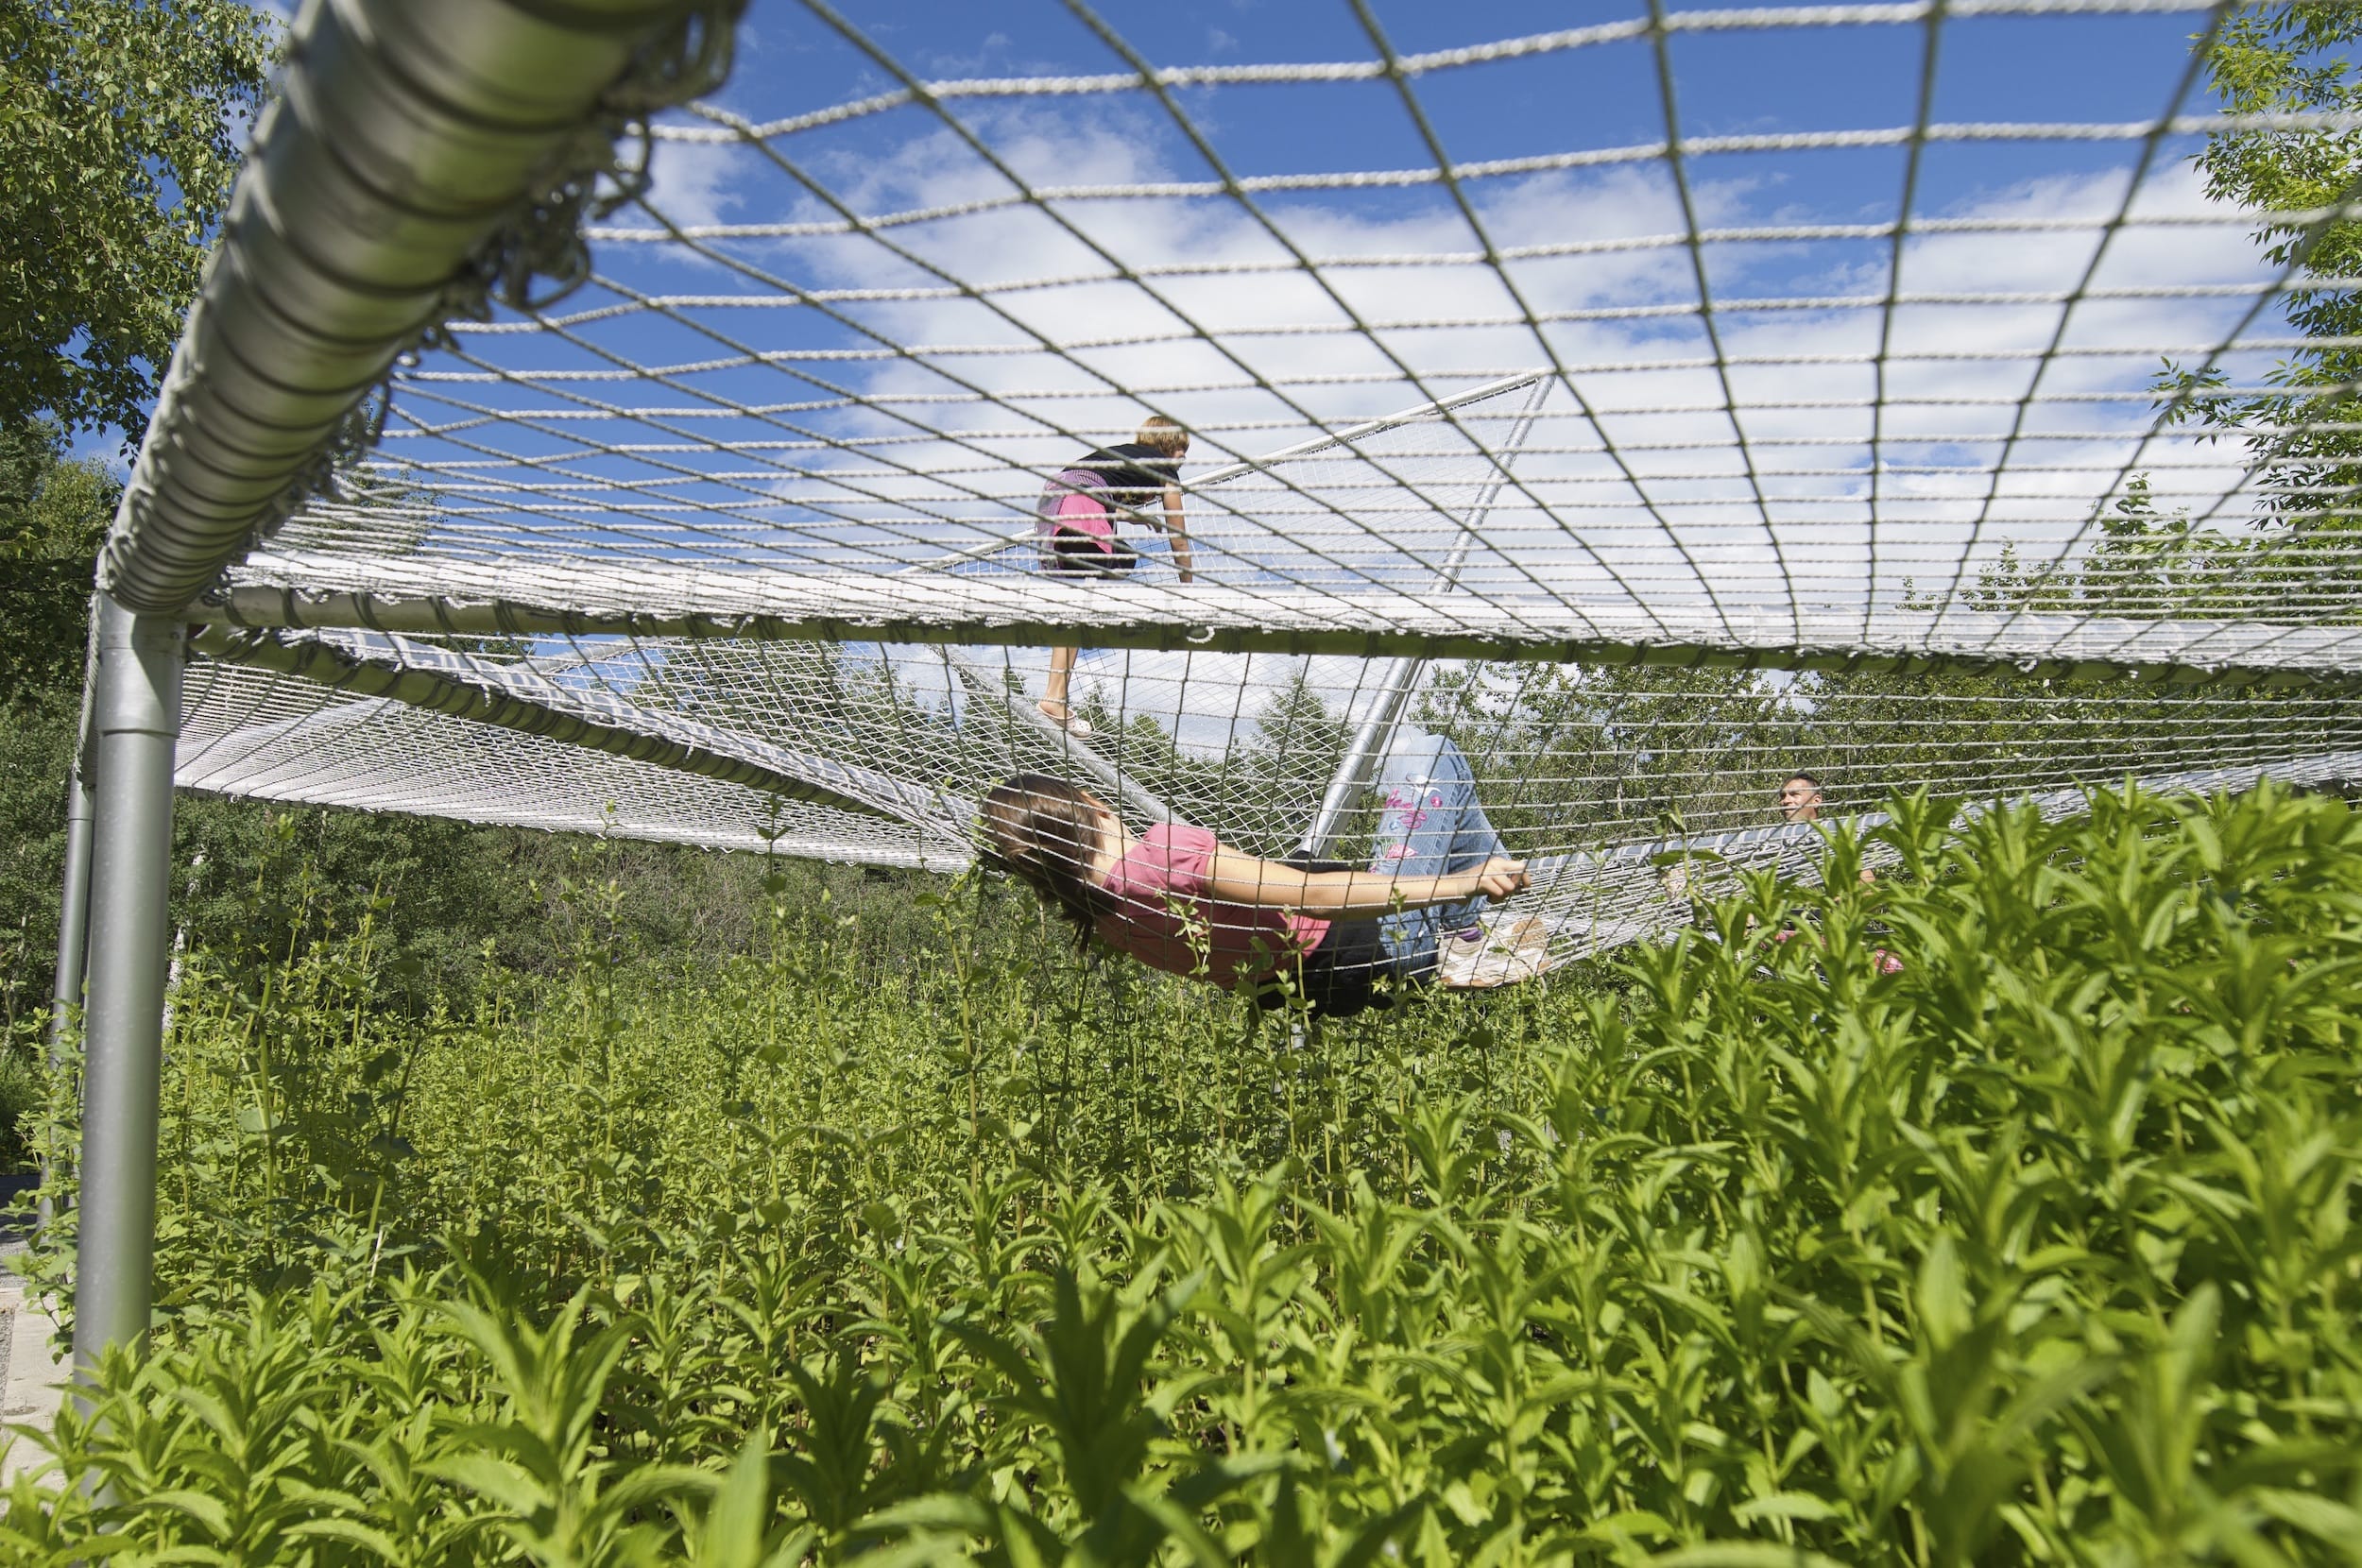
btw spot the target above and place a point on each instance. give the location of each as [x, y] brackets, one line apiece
[1137, 475]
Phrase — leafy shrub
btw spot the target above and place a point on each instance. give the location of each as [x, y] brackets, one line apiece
[24, 1093]
[2040, 1248]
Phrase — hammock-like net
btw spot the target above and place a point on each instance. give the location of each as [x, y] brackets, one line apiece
[1651, 459]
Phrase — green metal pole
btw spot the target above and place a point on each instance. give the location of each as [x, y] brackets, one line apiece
[73, 912]
[135, 716]
[73, 935]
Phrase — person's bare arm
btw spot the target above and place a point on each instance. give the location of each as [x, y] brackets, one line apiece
[1237, 878]
[1178, 527]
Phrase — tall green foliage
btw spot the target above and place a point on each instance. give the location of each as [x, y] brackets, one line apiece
[53, 509]
[119, 128]
[36, 741]
[2294, 57]
[2040, 1249]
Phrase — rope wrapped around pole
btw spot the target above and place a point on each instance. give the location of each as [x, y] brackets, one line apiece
[423, 156]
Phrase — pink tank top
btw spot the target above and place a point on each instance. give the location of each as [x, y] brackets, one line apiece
[1168, 922]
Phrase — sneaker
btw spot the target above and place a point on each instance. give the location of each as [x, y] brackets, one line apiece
[1500, 949]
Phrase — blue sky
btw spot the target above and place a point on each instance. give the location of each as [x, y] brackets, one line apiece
[2097, 68]
[1990, 68]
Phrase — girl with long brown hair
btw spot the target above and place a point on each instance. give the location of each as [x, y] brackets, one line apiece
[1177, 899]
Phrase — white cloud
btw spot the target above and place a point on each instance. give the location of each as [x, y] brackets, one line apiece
[691, 184]
[1943, 412]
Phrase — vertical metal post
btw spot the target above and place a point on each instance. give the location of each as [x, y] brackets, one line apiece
[72, 910]
[135, 721]
[1401, 676]
[73, 932]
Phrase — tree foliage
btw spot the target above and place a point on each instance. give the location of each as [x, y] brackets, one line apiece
[120, 124]
[2292, 59]
[53, 512]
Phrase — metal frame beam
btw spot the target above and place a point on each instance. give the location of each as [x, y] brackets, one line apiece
[419, 150]
[1208, 617]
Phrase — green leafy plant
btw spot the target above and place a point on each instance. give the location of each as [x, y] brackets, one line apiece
[2040, 1248]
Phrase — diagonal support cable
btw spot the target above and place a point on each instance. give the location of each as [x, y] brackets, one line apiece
[984, 689]
[395, 669]
[1399, 678]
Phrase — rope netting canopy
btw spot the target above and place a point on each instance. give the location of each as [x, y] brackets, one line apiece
[1655, 407]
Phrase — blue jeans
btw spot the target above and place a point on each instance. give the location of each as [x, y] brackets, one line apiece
[1432, 825]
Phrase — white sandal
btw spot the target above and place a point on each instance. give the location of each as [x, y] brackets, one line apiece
[1073, 723]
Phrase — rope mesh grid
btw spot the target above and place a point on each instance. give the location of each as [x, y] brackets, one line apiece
[1598, 776]
[1586, 391]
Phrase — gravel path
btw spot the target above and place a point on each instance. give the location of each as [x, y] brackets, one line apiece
[29, 1378]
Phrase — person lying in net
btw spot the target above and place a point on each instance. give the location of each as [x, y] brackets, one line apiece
[1080, 520]
[1177, 899]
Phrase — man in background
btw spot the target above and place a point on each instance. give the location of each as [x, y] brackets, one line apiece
[1800, 799]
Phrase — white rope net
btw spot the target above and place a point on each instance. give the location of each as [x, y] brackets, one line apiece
[1651, 467]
